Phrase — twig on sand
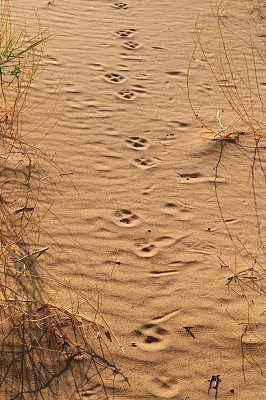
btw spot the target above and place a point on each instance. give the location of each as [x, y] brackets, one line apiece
[38, 252]
[214, 383]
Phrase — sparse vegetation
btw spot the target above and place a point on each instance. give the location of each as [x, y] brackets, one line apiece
[233, 73]
[47, 350]
[229, 103]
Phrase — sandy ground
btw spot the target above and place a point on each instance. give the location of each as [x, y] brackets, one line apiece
[138, 213]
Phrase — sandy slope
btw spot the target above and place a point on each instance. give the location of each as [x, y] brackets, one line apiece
[138, 215]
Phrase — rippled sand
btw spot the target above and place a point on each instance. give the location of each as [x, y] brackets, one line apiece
[143, 206]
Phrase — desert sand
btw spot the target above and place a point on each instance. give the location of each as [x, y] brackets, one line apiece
[159, 226]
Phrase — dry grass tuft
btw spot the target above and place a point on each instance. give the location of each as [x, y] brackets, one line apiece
[230, 51]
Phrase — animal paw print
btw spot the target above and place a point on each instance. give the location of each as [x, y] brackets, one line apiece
[137, 143]
[127, 95]
[125, 32]
[120, 5]
[145, 249]
[165, 385]
[151, 337]
[126, 218]
[131, 45]
[144, 163]
[114, 78]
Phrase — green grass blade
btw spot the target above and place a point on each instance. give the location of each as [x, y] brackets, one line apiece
[19, 36]
[32, 46]
[15, 41]
[9, 44]
[1, 81]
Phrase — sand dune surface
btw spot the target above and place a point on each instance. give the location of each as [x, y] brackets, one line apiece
[144, 213]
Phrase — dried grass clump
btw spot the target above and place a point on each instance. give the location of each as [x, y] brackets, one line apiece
[246, 281]
[48, 351]
[230, 53]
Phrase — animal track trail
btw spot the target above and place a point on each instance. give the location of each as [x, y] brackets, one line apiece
[131, 45]
[151, 337]
[126, 218]
[127, 95]
[137, 143]
[114, 78]
[124, 33]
